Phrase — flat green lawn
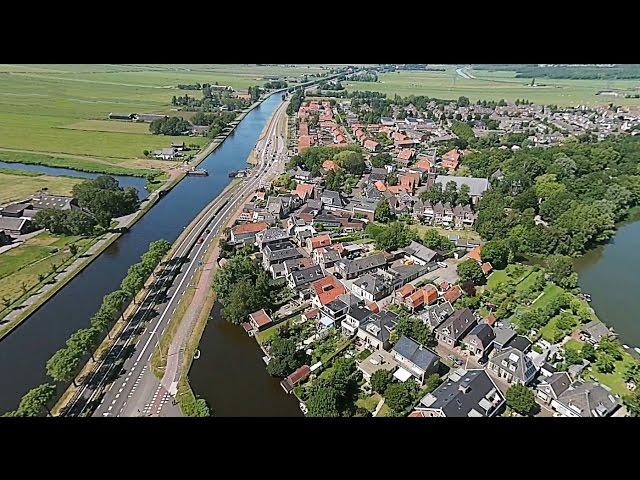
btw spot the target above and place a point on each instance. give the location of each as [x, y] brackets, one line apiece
[370, 402]
[270, 332]
[495, 86]
[615, 380]
[496, 278]
[501, 276]
[573, 344]
[384, 411]
[22, 265]
[550, 292]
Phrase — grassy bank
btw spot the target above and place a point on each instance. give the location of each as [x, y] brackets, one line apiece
[82, 164]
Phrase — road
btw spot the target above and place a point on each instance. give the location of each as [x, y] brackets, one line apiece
[123, 384]
[461, 72]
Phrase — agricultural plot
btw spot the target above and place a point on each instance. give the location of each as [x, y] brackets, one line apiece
[487, 85]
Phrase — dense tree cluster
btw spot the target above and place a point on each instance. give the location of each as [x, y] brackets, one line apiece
[312, 158]
[169, 126]
[579, 190]
[295, 101]
[242, 288]
[100, 200]
[392, 236]
[336, 391]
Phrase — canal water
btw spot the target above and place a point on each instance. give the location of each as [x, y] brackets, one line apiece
[124, 180]
[24, 352]
[232, 377]
[611, 275]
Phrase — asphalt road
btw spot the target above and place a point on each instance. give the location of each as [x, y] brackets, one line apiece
[123, 384]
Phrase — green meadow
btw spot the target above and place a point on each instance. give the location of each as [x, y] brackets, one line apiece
[492, 85]
[61, 111]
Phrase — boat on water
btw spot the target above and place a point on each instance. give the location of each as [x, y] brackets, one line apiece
[200, 172]
[196, 356]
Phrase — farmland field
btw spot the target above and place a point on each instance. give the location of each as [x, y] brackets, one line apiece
[17, 187]
[491, 85]
[60, 110]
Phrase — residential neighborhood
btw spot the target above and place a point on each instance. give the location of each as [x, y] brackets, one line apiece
[370, 233]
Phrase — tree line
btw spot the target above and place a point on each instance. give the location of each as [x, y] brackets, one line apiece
[65, 364]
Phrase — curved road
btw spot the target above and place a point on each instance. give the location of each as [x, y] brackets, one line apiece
[123, 384]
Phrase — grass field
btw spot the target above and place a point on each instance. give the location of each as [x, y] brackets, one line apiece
[615, 380]
[22, 265]
[60, 110]
[489, 85]
[15, 187]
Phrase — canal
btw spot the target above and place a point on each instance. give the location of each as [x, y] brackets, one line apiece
[124, 180]
[232, 377]
[24, 352]
[611, 275]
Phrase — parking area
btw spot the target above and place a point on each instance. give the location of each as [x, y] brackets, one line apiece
[448, 274]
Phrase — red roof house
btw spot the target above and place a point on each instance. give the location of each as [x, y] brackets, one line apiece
[259, 320]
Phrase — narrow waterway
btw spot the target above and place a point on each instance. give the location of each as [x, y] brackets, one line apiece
[230, 374]
[611, 275]
[24, 352]
[124, 180]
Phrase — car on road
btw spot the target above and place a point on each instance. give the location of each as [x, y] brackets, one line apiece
[200, 240]
[207, 231]
[442, 265]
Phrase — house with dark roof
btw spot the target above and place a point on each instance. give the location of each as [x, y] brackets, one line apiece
[466, 393]
[434, 315]
[300, 279]
[550, 388]
[354, 316]
[331, 200]
[374, 330]
[503, 335]
[420, 254]
[586, 399]
[279, 253]
[14, 226]
[595, 331]
[456, 327]
[271, 236]
[350, 269]
[514, 366]
[372, 287]
[417, 360]
[479, 339]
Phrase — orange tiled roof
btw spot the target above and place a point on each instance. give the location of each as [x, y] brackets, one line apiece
[475, 254]
[329, 165]
[406, 290]
[328, 289]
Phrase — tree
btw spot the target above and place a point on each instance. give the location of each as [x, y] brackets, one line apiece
[383, 211]
[610, 347]
[588, 352]
[561, 271]
[35, 400]
[380, 379]
[632, 403]
[469, 270]
[395, 235]
[632, 373]
[400, 396]
[432, 382]
[350, 161]
[63, 365]
[605, 363]
[520, 399]
[73, 249]
[323, 402]
[381, 160]
[433, 240]
[84, 340]
[497, 253]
